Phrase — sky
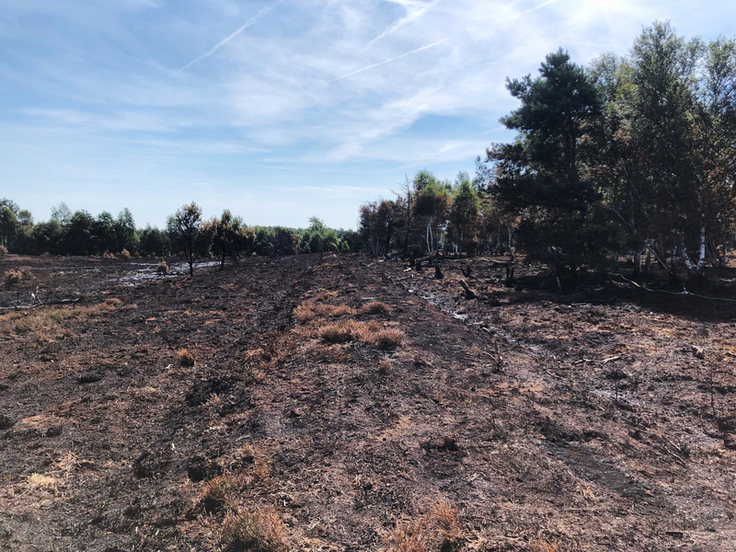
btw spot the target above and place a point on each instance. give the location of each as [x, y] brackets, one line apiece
[278, 110]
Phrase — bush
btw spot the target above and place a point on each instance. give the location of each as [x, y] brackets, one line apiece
[12, 278]
[124, 254]
[162, 268]
[3, 251]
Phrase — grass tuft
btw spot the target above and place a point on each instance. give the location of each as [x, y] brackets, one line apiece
[389, 338]
[376, 307]
[184, 357]
[259, 531]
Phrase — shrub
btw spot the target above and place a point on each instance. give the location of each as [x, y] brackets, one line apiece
[162, 268]
[3, 251]
[108, 255]
[124, 254]
[260, 531]
[184, 357]
[13, 278]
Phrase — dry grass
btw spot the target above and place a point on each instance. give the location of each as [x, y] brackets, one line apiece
[39, 481]
[309, 310]
[184, 357]
[215, 493]
[384, 366]
[544, 545]
[12, 278]
[258, 531]
[162, 268]
[376, 307]
[344, 332]
[389, 338]
[35, 321]
[438, 529]
[331, 354]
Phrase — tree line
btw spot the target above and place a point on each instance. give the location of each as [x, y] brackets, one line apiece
[187, 233]
[632, 155]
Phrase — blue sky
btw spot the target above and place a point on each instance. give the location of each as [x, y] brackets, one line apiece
[277, 110]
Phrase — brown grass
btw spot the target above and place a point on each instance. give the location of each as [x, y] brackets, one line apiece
[215, 493]
[184, 357]
[258, 531]
[544, 545]
[344, 332]
[438, 529]
[376, 307]
[40, 320]
[309, 310]
[12, 278]
[389, 338]
[42, 482]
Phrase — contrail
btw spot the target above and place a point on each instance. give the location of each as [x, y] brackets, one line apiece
[388, 60]
[413, 16]
[220, 44]
[534, 8]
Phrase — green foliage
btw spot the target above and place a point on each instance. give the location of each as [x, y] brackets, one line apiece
[378, 224]
[153, 242]
[430, 207]
[185, 233]
[230, 237]
[464, 216]
[542, 176]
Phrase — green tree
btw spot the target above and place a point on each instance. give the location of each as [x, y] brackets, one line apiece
[378, 224]
[542, 175]
[185, 233]
[230, 237]
[152, 241]
[464, 216]
[104, 233]
[78, 234]
[125, 232]
[46, 237]
[667, 159]
[430, 207]
[8, 221]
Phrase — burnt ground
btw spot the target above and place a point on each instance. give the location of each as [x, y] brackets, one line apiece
[524, 419]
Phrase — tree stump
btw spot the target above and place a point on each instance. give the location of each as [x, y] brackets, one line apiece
[438, 272]
[469, 294]
[509, 276]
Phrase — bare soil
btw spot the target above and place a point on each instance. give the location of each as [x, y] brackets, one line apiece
[343, 403]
